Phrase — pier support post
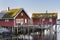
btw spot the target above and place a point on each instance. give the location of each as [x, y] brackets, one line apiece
[56, 32]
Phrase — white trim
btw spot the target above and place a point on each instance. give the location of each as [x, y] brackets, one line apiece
[14, 22]
[18, 13]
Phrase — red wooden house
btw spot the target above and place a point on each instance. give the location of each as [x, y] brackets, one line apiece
[13, 17]
[44, 18]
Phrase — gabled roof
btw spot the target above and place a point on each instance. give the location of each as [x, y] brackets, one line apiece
[44, 15]
[11, 13]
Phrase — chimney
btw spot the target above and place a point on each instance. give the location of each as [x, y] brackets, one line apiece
[8, 8]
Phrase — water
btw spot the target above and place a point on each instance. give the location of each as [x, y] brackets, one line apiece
[58, 32]
[58, 36]
[15, 38]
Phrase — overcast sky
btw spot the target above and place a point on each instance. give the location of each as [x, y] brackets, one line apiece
[32, 6]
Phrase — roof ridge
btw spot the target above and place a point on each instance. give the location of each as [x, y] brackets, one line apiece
[16, 8]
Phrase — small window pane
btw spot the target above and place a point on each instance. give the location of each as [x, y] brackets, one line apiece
[43, 19]
[50, 20]
[6, 20]
[21, 14]
[17, 20]
[25, 20]
[22, 21]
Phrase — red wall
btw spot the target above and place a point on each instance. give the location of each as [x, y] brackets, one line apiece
[46, 21]
[24, 16]
[54, 21]
[10, 23]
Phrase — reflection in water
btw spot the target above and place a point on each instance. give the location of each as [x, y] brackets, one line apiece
[30, 37]
[36, 34]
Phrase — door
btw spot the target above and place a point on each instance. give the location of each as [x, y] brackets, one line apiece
[21, 21]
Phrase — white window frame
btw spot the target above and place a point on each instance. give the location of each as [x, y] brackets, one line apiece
[17, 21]
[50, 20]
[20, 21]
[25, 20]
[6, 20]
[43, 19]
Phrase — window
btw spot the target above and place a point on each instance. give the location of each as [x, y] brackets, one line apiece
[50, 19]
[21, 21]
[6, 20]
[17, 20]
[25, 20]
[21, 14]
[43, 19]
